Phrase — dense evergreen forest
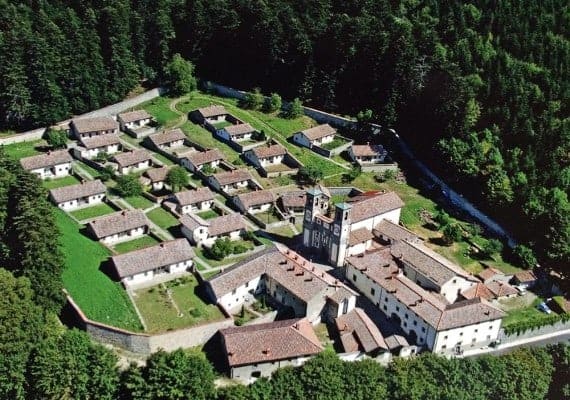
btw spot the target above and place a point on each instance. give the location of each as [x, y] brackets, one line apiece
[480, 88]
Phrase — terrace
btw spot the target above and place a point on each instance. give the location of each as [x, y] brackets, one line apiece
[174, 305]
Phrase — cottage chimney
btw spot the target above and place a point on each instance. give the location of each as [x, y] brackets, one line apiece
[230, 353]
[162, 245]
[266, 351]
[123, 213]
[486, 312]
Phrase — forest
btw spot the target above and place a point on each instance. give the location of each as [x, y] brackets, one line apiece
[481, 88]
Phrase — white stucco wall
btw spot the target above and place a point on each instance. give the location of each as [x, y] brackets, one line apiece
[468, 337]
[271, 160]
[370, 223]
[124, 236]
[137, 167]
[56, 171]
[150, 275]
[234, 300]
[79, 203]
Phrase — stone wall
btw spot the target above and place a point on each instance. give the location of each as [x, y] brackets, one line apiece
[142, 343]
[319, 116]
[379, 167]
[543, 330]
[112, 109]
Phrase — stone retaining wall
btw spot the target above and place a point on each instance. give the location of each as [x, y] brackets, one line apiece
[112, 109]
[142, 343]
[379, 167]
[543, 330]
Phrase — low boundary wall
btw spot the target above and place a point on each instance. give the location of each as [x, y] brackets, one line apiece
[112, 109]
[142, 343]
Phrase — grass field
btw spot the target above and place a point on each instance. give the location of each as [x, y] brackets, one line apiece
[100, 298]
[208, 214]
[60, 182]
[162, 218]
[271, 124]
[529, 313]
[162, 159]
[139, 202]
[181, 309]
[159, 109]
[24, 149]
[93, 212]
[204, 138]
[90, 170]
[136, 244]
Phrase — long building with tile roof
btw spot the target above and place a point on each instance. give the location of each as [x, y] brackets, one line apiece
[289, 279]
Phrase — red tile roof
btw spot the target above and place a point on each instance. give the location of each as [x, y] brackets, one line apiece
[269, 342]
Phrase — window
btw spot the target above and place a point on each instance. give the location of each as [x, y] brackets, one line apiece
[405, 324]
[246, 284]
[490, 327]
[385, 298]
[397, 308]
[488, 337]
[473, 340]
[234, 291]
[476, 330]
[385, 308]
[415, 323]
[256, 374]
[455, 281]
[445, 337]
[406, 316]
[460, 333]
[354, 277]
[443, 347]
[423, 329]
[372, 291]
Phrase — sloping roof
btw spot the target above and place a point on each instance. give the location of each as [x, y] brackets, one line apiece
[393, 231]
[225, 224]
[212, 111]
[319, 132]
[100, 141]
[501, 289]
[150, 258]
[433, 309]
[524, 276]
[118, 222]
[270, 150]
[133, 116]
[239, 129]
[489, 273]
[192, 221]
[131, 157]
[368, 150]
[85, 189]
[375, 205]
[172, 135]
[256, 198]
[203, 157]
[358, 333]
[233, 176]
[273, 341]
[48, 159]
[94, 124]
[427, 262]
[359, 236]
[396, 341]
[189, 197]
[478, 290]
[294, 199]
[157, 174]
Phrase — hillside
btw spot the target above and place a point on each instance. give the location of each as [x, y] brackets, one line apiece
[480, 88]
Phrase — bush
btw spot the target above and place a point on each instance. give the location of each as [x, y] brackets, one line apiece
[259, 136]
[273, 103]
[524, 256]
[239, 248]
[129, 185]
[493, 246]
[102, 157]
[451, 233]
[295, 109]
[253, 100]
[221, 248]
[106, 174]
[386, 176]
[310, 174]
[56, 138]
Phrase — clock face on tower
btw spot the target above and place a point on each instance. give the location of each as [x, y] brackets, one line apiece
[336, 230]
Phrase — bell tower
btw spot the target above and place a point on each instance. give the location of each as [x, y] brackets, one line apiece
[313, 207]
[341, 234]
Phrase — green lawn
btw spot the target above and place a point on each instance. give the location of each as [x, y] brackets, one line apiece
[267, 217]
[160, 110]
[530, 313]
[271, 124]
[204, 138]
[162, 218]
[24, 149]
[337, 142]
[100, 298]
[60, 182]
[162, 159]
[221, 124]
[139, 202]
[208, 214]
[217, 263]
[90, 170]
[93, 212]
[160, 313]
[284, 231]
[136, 244]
